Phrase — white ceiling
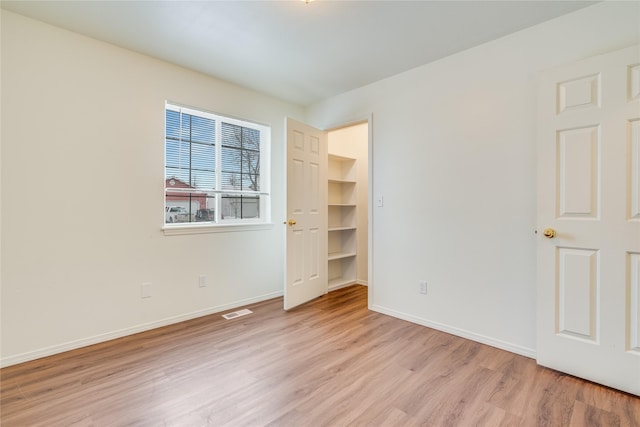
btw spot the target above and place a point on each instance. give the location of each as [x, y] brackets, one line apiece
[295, 51]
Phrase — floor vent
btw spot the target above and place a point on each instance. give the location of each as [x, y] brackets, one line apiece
[235, 314]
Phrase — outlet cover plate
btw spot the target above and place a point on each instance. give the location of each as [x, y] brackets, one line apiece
[145, 290]
[423, 287]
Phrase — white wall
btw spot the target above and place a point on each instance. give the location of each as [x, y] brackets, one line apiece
[82, 195]
[454, 158]
[353, 141]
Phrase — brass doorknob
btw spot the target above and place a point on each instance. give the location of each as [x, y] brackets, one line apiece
[549, 233]
[292, 222]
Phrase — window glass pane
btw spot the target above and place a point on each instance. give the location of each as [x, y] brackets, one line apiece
[240, 207]
[190, 150]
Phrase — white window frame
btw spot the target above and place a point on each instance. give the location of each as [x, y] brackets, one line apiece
[264, 193]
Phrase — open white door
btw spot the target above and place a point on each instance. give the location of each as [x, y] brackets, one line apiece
[306, 241]
[588, 312]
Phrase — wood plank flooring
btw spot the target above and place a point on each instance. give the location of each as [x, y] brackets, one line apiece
[329, 363]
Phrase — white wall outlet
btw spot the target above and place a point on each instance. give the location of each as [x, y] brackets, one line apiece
[145, 290]
[202, 281]
[379, 200]
[422, 287]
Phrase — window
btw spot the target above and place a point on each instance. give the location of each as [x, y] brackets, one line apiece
[214, 169]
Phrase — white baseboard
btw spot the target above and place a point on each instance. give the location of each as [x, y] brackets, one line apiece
[72, 345]
[503, 345]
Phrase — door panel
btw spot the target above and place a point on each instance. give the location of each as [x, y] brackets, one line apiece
[634, 170]
[296, 244]
[633, 295]
[588, 161]
[634, 82]
[314, 189]
[579, 93]
[296, 187]
[306, 241]
[578, 172]
[314, 253]
[577, 291]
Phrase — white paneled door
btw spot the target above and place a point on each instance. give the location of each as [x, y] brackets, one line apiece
[306, 223]
[588, 307]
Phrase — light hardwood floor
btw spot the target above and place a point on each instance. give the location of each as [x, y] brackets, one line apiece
[329, 363]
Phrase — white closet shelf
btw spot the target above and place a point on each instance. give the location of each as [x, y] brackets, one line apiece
[340, 181]
[342, 228]
[340, 255]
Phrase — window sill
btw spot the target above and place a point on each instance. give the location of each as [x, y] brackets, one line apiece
[175, 230]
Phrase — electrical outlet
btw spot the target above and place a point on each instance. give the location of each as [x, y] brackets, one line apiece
[145, 290]
[202, 281]
[422, 287]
